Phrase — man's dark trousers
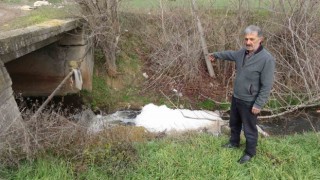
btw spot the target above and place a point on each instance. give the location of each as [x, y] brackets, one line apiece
[241, 116]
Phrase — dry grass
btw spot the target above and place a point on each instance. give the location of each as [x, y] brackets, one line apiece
[57, 132]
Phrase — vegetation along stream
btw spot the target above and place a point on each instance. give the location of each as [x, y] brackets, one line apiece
[151, 53]
[299, 122]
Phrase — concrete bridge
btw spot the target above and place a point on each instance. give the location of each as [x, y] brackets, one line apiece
[34, 60]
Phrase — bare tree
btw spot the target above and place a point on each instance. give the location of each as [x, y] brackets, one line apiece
[175, 47]
[294, 40]
[103, 22]
[291, 34]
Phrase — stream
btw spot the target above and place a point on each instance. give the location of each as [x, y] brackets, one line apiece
[277, 126]
[303, 121]
[299, 122]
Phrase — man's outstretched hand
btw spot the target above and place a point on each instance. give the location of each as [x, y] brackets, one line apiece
[211, 57]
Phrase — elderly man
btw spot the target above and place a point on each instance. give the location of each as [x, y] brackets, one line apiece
[253, 82]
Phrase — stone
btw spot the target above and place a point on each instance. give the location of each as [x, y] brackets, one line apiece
[26, 8]
[41, 3]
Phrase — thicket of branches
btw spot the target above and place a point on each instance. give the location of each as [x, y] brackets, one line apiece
[102, 20]
[291, 35]
[294, 41]
[175, 58]
[174, 41]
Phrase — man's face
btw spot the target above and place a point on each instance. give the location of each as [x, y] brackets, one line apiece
[252, 41]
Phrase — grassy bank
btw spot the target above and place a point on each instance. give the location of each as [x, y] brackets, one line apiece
[37, 16]
[191, 156]
[43, 14]
[115, 155]
[126, 90]
[201, 157]
[151, 4]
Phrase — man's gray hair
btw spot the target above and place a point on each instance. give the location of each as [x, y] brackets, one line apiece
[252, 28]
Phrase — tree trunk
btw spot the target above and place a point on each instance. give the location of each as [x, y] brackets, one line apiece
[202, 39]
[110, 64]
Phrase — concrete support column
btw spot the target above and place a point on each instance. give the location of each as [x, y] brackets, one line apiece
[9, 112]
[79, 50]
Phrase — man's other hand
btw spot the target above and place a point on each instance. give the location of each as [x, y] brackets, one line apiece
[211, 57]
[255, 110]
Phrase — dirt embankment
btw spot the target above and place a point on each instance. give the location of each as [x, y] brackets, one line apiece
[9, 12]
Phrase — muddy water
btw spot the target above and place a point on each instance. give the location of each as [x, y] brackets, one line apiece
[304, 121]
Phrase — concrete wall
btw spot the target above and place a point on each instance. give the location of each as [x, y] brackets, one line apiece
[19, 42]
[40, 72]
[79, 49]
[9, 112]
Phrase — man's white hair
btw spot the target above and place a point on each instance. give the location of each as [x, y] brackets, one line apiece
[252, 28]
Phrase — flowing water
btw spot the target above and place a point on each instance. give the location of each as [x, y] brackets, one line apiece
[162, 119]
[304, 121]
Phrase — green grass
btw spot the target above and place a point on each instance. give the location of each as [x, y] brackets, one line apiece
[125, 90]
[29, 2]
[194, 156]
[100, 96]
[206, 104]
[11, 1]
[43, 168]
[210, 105]
[152, 4]
[111, 93]
[290, 100]
[201, 157]
[38, 16]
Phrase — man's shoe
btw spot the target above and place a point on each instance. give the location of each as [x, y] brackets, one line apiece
[230, 145]
[245, 158]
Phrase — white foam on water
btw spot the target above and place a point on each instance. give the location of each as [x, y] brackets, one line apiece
[161, 118]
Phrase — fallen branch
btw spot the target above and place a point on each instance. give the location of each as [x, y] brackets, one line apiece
[189, 117]
[263, 133]
[295, 108]
[52, 95]
[289, 110]
[203, 41]
[202, 118]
